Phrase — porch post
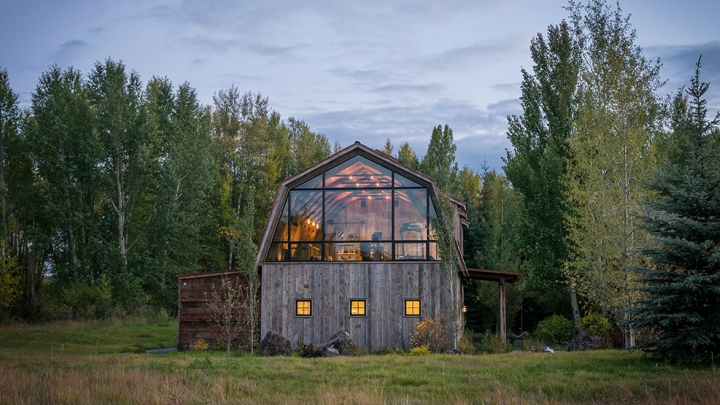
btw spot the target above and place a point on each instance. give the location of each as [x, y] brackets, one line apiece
[501, 315]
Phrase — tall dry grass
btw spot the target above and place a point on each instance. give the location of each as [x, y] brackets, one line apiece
[182, 379]
[96, 364]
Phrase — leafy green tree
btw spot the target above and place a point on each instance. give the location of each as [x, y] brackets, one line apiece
[30, 230]
[538, 163]
[251, 150]
[116, 97]
[613, 156]
[306, 146]
[64, 153]
[489, 244]
[182, 176]
[439, 161]
[9, 122]
[498, 217]
[681, 289]
[10, 288]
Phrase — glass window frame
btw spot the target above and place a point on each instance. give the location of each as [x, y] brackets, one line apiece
[297, 308]
[325, 242]
[419, 307]
[364, 307]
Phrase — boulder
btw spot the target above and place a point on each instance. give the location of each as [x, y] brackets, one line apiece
[584, 341]
[274, 344]
[340, 344]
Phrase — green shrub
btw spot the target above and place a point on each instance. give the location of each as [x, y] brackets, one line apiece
[419, 351]
[467, 344]
[595, 324]
[389, 351]
[491, 343]
[310, 350]
[556, 329]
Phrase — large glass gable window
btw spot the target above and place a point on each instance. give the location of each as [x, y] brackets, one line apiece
[355, 211]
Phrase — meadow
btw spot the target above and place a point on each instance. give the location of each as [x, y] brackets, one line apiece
[106, 363]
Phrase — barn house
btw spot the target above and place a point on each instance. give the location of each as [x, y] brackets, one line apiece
[349, 245]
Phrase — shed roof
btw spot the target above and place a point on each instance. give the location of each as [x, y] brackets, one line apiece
[492, 275]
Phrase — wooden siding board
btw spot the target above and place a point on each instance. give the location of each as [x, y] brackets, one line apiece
[332, 285]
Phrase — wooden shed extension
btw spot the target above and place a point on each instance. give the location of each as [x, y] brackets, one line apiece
[194, 313]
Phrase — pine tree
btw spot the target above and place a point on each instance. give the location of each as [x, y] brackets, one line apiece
[682, 290]
[408, 157]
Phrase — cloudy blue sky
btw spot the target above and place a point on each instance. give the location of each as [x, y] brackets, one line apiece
[353, 70]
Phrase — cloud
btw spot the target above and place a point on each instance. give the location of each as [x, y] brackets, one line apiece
[362, 75]
[70, 51]
[408, 88]
[270, 50]
[479, 133]
[679, 65]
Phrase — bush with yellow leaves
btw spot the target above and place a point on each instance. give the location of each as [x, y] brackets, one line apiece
[430, 333]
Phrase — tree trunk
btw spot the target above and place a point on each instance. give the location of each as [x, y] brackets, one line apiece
[575, 309]
[3, 189]
[119, 206]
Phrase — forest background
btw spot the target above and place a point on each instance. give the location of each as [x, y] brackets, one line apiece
[110, 187]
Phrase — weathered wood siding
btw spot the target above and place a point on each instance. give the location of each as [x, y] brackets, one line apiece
[194, 313]
[331, 286]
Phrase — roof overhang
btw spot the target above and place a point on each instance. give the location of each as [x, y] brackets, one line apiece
[207, 274]
[492, 275]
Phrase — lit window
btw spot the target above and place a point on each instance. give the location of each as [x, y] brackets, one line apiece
[412, 307]
[357, 307]
[303, 308]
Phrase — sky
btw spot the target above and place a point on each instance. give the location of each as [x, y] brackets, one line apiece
[353, 70]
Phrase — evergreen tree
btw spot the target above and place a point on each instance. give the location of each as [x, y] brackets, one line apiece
[388, 147]
[682, 289]
[408, 157]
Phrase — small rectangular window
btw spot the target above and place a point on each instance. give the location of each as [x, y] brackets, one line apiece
[303, 308]
[412, 307]
[357, 308]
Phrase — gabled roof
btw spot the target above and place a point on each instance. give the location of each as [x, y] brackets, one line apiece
[349, 152]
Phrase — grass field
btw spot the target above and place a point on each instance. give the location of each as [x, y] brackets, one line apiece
[89, 363]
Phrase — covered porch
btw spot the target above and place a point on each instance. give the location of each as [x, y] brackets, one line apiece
[501, 277]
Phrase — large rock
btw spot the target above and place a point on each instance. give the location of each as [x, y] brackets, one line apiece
[584, 341]
[274, 344]
[340, 344]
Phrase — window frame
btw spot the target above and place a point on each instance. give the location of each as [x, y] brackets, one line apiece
[324, 243]
[419, 307]
[364, 307]
[297, 307]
